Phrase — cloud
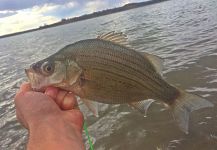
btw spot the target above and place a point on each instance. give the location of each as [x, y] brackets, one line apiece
[34, 17]
[63, 11]
[96, 5]
[24, 4]
[26, 19]
[7, 13]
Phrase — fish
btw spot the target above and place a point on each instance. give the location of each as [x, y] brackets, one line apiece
[106, 69]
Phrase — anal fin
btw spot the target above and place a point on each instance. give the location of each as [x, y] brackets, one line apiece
[92, 106]
[142, 106]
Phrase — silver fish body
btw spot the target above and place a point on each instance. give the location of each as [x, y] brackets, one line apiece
[116, 74]
[106, 70]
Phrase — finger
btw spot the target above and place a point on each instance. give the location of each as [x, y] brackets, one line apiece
[52, 92]
[25, 87]
[69, 102]
[60, 97]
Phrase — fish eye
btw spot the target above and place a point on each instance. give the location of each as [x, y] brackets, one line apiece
[47, 68]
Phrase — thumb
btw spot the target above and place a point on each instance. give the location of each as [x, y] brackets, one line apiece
[69, 102]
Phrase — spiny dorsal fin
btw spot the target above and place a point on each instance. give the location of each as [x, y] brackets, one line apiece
[116, 37]
[155, 60]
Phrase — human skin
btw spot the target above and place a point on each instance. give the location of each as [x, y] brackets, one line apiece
[52, 118]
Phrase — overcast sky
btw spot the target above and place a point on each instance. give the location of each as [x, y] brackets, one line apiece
[19, 15]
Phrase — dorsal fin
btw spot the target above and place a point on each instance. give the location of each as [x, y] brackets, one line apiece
[115, 37]
[155, 60]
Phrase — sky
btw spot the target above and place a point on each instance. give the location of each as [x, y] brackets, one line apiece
[20, 15]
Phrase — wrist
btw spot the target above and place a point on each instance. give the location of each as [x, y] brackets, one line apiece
[54, 133]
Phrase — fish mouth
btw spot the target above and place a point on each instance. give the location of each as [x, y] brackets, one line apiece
[35, 80]
[29, 72]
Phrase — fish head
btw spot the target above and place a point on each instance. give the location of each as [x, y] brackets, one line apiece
[55, 72]
[46, 73]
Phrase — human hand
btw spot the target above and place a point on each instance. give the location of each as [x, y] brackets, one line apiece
[52, 112]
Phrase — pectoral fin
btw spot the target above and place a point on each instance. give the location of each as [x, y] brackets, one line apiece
[92, 106]
[142, 106]
[73, 72]
[155, 60]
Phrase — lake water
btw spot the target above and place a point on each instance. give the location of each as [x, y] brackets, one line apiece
[184, 32]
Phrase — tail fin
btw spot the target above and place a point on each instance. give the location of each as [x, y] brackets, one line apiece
[185, 104]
